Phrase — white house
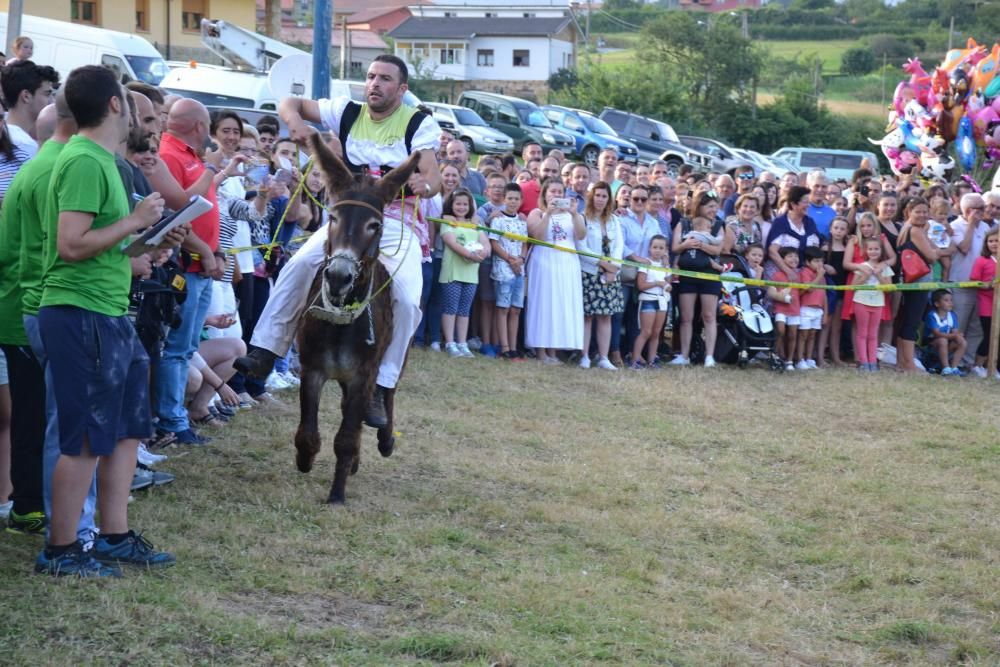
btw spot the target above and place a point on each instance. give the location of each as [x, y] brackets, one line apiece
[463, 43]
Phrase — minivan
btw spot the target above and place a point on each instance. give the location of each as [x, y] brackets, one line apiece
[838, 164]
[466, 125]
[655, 140]
[724, 157]
[66, 46]
[519, 119]
[592, 135]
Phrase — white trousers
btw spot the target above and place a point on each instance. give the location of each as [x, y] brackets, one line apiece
[399, 249]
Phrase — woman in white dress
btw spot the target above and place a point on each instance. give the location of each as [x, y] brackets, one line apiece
[554, 311]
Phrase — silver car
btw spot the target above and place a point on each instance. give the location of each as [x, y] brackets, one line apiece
[467, 126]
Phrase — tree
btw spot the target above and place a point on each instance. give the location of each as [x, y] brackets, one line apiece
[857, 61]
[563, 78]
[645, 91]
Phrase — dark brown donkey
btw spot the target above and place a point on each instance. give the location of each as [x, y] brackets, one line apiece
[332, 345]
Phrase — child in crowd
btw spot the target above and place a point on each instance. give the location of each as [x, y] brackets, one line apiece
[941, 326]
[939, 232]
[696, 259]
[985, 270]
[868, 304]
[836, 275]
[654, 302]
[754, 255]
[509, 257]
[812, 307]
[464, 250]
[786, 306]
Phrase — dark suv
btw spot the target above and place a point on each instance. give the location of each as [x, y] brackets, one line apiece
[655, 139]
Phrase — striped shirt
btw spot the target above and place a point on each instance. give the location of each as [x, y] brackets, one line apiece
[9, 169]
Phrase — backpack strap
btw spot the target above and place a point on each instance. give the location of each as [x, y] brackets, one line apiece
[347, 120]
[411, 129]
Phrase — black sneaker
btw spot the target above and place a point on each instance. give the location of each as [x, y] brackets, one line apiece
[258, 364]
[190, 437]
[29, 523]
[133, 550]
[74, 562]
[375, 415]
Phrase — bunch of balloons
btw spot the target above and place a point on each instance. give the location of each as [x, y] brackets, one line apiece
[959, 102]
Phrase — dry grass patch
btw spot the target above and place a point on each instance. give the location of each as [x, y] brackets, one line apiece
[533, 515]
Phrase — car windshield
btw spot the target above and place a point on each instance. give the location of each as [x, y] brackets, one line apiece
[213, 99]
[596, 125]
[468, 117]
[667, 133]
[533, 118]
[149, 70]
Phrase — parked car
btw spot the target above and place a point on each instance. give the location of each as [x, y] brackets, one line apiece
[655, 140]
[592, 134]
[466, 125]
[724, 157]
[519, 119]
[836, 163]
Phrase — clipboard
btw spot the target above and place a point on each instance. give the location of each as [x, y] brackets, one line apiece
[155, 234]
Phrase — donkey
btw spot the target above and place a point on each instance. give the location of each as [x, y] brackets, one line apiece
[348, 348]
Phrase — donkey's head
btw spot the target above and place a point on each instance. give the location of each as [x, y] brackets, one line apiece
[355, 221]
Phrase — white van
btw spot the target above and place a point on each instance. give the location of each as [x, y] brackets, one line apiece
[838, 164]
[66, 46]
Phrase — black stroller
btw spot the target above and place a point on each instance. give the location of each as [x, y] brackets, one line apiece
[745, 331]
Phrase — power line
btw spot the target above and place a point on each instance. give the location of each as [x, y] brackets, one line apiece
[619, 21]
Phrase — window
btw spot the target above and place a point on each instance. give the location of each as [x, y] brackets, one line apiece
[85, 11]
[615, 119]
[451, 54]
[192, 12]
[529, 15]
[142, 15]
[506, 114]
[644, 129]
[572, 124]
[450, 15]
[816, 160]
[484, 57]
[116, 65]
[491, 15]
[522, 58]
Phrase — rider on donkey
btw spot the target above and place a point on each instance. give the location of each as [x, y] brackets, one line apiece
[375, 137]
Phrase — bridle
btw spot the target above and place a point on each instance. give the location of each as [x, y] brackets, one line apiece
[372, 249]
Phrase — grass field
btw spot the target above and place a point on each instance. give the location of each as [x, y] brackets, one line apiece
[540, 516]
[827, 51]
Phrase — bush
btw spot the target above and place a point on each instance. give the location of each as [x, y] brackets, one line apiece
[857, 61]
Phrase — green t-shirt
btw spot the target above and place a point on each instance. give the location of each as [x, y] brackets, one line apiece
[34, 206]
[11, 324]
[85, 179]
[453, 267]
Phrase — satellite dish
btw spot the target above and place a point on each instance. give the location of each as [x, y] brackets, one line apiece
[291, 76]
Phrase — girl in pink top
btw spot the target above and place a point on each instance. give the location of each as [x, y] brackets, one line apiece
[985, 270]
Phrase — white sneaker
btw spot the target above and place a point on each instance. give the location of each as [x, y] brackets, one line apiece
[812, 364]
[5, 509]
[147, 458]
[452, 350]
[980, 372]
[789, 366]
[803, 365]
[275, 382]
[474, 343]
[996, 375]
[464, 349]
[680, 360]
[290, 378]
[606, 364]
[584, 361]
[709, 361]
[435, 346]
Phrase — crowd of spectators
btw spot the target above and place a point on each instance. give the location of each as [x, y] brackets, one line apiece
[109, 360]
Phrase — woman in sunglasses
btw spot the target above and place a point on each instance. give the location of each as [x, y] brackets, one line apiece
[638, 228]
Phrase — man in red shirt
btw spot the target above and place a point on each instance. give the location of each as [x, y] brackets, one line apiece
[531, 189]
[187, 131]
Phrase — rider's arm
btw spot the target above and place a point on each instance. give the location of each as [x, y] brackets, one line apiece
[430, 173]
[297, 113]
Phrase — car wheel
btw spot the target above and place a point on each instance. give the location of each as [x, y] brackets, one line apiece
[470, 147]
[590, 155]
[673, 168]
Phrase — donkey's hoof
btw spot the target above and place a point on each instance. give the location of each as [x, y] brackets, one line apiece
[356, 465]
[335, 500]
[385, 446]
[304, 462]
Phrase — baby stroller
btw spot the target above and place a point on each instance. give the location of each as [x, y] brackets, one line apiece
[745, 328]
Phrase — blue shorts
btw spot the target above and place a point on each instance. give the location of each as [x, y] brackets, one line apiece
[650, 307]
[100, 376]
[510, 293]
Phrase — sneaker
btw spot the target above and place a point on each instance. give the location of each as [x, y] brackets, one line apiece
[190, 437]
[435, 347]
[474, 343]
[141, 479]
[551, 361]
[491, 351]
[948, 371]
[812, 364]
[5, 509]
[133, 550]
[452, 350]
[656, 363]
[513, 356]
[29, 523]
[709, 361]
[267, 401]
[145, 457]
[606, 364]
[980, 372]
[637, 365]
[789, 366]
[275, 382]
[75, 562]
[680, 360]
[158, 477]
[803, 365]
[291, 379]
[465, 350]
[246, 401]
[584, 361]
[996, 375]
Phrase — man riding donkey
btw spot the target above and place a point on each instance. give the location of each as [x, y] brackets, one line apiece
[376, 137]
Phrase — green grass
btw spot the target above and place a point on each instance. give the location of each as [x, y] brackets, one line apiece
[829, 52]
[540, 516]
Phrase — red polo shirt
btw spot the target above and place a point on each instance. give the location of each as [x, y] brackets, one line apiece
[186, 168]
[529, 196]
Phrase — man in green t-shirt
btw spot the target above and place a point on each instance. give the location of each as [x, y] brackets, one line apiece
[99, 370]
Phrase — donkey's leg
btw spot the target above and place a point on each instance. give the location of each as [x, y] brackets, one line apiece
[347, 442]
[386, 439]
[307, 439]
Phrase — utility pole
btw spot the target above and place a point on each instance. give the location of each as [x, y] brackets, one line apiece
[322, 30]
[344, 45]
[14, 12]
[951, 32]
[272, 19]
[885, 62]
[745, 25]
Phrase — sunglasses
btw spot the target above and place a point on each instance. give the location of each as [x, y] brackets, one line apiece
[640, 199]
[746, 176]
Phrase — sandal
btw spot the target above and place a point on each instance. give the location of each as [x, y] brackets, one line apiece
[218, 414]
[161, 439]
[208, 420]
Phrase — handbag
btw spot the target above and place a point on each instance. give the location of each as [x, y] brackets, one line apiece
[914, 266]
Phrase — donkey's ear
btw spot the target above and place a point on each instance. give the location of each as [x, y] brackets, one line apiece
[338, 176]
[390, 184]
